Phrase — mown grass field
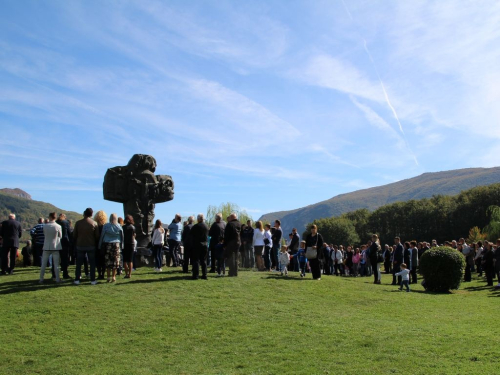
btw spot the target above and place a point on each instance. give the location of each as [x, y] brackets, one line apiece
[258, 323]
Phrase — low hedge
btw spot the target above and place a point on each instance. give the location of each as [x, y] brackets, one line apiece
[442, 269]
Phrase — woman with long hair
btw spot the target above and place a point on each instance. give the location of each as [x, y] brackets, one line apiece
[128, 245]
[258, 245]
[100, 218]
[268, 244]
[112, 242]
[158, 241]
[376, 258]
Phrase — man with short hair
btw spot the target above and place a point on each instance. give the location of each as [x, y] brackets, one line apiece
[397, 260]
[38, 240]
[232, 243]
[187, 243]
[11, 232]
[85, 239]
[276, 237]
[199, 242]
[65, 246]
[52, 246]
[216, 233]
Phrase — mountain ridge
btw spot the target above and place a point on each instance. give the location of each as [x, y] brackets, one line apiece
[425, 185]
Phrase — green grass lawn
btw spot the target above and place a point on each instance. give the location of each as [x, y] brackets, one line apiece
[257, 323]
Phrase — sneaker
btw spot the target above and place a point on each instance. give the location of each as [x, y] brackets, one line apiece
[76, 282]
[11, 272]
[160, 270]
[93, 282]
[40, 281]
[219, 275]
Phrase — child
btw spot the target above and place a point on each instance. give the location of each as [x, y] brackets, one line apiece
[405, 277]
[26, 253]
[301, 256]
[219, 257]
[284, 259]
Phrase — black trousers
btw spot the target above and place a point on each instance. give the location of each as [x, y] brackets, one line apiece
[490, 274]
[188, 255]
[199, 258]
[414, 275]
[338, 270]
[315, 268]
[395, 270]
[233, 264]
[6, 265]
[37, 254]
[64, 254]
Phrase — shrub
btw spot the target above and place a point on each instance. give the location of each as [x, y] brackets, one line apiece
[442, 269]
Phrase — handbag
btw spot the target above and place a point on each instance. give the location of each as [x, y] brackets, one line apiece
[312, 253]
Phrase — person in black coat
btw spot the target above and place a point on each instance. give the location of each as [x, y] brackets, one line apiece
[187, 243]
[314, 240]
[397, 260]
[488, 263]
[232, 243]
[216, 232]
[199, 243]
[375, 259]
[11, 232]
[293, 248]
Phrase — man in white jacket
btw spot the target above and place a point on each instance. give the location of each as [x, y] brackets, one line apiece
[51, 246]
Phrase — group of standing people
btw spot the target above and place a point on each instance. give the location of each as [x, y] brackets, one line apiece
[109, 247]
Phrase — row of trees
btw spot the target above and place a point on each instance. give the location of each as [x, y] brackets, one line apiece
[440, 217]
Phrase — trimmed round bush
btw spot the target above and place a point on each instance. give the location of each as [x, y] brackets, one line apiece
[442, 269]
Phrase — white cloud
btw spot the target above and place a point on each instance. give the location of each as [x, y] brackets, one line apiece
[333, 73]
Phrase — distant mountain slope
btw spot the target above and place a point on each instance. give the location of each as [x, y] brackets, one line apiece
[28, 211]
[423, 186]
[16, 193]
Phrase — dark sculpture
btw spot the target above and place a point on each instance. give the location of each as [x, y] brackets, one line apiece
[138, 188]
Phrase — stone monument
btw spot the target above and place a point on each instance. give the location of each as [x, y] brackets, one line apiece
[139, 189]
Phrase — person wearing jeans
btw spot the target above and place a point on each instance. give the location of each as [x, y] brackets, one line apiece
[268, 242]
[51, 246]
[85, 238]
[83, 253]
[158, 241]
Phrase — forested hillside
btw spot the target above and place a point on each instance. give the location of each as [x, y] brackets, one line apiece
[28, 211]
[440, 217]
[426, 185]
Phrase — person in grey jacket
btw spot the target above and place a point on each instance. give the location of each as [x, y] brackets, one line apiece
[51, 246]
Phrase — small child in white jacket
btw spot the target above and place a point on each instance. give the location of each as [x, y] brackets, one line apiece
[284, 259]
[405, 277]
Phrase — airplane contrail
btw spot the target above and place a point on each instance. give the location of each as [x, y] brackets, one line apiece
[388, 101]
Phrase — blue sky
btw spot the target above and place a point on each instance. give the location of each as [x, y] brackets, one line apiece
[272, 105]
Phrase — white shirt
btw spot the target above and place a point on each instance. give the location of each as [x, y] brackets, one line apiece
[267, 234]
[405, 274]
[258, 238]
[158, 236]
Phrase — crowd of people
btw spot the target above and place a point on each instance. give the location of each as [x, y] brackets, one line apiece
[108, 248]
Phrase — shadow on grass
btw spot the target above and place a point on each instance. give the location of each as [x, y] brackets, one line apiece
[287, 278]
[149, 281]
[30, 286]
